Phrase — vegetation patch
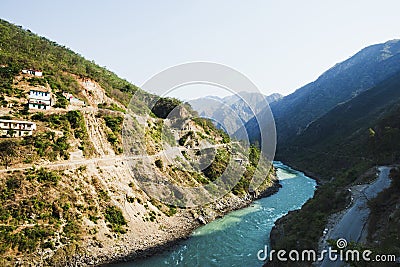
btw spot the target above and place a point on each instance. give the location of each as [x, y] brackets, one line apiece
[111, 106]
[34, 215]
[114, 123]
[114, 216]
[55, 60]
[159, 164]
[70, 123]
[218, 165]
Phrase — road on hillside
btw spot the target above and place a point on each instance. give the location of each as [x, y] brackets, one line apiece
[352, 225]
[105, 159]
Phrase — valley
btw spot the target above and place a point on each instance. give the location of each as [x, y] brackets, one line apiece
[72, 186]
[94, 170]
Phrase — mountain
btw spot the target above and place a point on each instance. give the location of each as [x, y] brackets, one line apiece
[232, 112]
[76, 187]
[342, 147]
[345, 80]
[357, 129]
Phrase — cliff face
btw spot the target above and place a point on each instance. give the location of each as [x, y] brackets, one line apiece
[75, 187]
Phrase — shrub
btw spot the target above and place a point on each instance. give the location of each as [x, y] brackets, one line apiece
[111, 106]
[43, 175]
[115, 217]
[218, 166]
[75, 118]
[114, 123]
[112, 138]
[171, 210]
[39, 116]
[61, 102]
[159, 163]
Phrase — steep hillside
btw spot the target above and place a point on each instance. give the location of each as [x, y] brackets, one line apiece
[360, 131]
[23, 49]
[341, 148]
[71, 193]
[342, 82]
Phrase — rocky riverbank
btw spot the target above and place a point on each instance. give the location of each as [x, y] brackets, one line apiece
[127, 248]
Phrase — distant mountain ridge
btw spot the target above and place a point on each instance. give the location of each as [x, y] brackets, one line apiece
[339, 84]
[232, 112]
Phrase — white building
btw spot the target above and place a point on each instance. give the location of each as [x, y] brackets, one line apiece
[38, 73]
[14, 128]
[73, 100]
[40, 98]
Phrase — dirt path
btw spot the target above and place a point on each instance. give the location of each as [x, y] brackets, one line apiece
[104, 160]
[69, 163]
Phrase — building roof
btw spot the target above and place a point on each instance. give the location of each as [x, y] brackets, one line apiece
[14, 121]
[31, 70]
[44, 90]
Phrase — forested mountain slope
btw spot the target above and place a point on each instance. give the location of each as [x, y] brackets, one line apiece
[342, 149]
[339, 84]
[363, 130]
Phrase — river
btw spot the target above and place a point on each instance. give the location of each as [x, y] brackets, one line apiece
[235, 239]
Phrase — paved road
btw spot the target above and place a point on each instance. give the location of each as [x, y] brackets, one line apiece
[353, 223]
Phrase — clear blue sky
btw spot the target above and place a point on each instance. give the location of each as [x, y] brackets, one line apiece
[280, 45]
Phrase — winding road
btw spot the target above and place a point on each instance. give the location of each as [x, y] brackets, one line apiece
[110, 159]
[352, 225]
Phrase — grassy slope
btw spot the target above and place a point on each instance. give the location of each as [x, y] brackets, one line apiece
[23, 49]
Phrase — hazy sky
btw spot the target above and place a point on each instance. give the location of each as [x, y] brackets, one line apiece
[280, 45]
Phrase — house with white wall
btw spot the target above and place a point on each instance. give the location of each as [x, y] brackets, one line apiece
[13, 128]
[38, 73]
[40, 98]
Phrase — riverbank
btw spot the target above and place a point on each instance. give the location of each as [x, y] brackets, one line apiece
[235, 239]
[181, 227]
[351, 223]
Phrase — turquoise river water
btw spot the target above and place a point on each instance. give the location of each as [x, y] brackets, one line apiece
[235, 239]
